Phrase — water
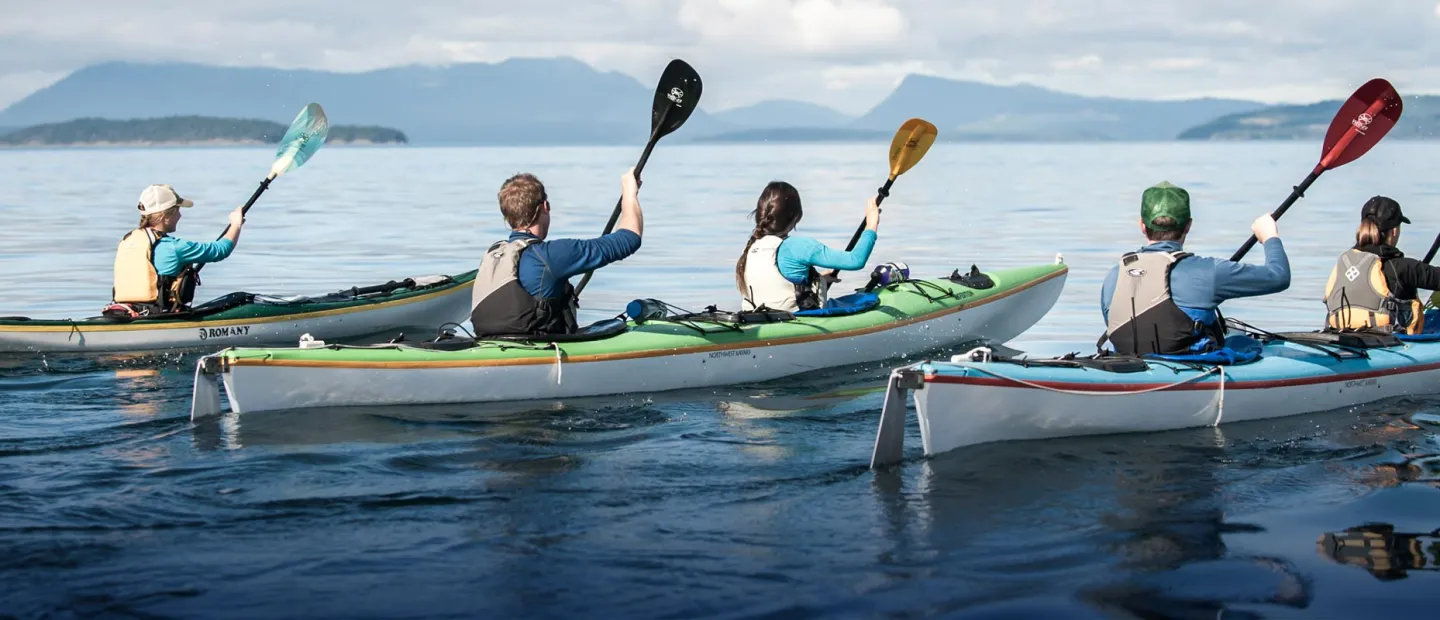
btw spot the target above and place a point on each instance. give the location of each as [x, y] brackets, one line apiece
[746, 501]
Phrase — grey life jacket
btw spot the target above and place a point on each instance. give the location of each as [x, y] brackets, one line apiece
[500, 305]
[767, 287]
[1357, 297]
[1143, 318]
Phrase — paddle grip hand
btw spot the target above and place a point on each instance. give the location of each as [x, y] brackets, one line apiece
[1264, 228]
[872, 213]
[237, 219]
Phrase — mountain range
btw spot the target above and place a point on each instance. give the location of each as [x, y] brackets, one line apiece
[565, 101]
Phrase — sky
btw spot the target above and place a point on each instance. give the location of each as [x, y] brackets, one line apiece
[846, 54]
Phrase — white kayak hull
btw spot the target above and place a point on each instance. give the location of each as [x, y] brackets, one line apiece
[416, 316]
[971, 402]
[268, 386]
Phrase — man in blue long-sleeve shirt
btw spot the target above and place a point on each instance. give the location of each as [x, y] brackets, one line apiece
[1168, 301]
[523, 284]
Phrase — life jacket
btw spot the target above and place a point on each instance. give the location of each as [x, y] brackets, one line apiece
[1357, 297]
[767, 287]
[1144, 319]
[500, 305]
[138, 283]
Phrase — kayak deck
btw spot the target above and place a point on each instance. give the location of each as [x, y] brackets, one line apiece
[900, 307]
[243, 318]
[653, 356]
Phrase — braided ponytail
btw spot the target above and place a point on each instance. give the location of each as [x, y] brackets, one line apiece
[776, 213]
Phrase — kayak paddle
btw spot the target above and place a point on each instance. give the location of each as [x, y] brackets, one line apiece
[1361, 122]
[305, 136]
[675, 98]
[910, 143]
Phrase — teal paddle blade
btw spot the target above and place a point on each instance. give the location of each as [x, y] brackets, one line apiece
[305, 136]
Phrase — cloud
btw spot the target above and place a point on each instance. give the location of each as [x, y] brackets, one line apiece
[842, 53]
[1088, 62]
[807, 27]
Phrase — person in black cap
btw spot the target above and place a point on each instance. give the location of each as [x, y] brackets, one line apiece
[1374, 286]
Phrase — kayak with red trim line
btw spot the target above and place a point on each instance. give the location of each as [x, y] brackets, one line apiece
[659, 354]
[977, 398]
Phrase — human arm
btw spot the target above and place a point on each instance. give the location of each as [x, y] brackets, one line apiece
[569, 257]
[232, 232]
[1234, 280]
[1107, 290]
[631, 218]
[201, 252]
[1416, 274]
[797, 254]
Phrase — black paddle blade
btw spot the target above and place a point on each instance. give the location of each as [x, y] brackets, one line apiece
[675, 98]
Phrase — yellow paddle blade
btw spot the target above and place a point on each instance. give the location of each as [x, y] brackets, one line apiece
[910, 144]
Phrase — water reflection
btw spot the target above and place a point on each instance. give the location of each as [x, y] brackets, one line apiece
[1136, 525]
[1381, 551]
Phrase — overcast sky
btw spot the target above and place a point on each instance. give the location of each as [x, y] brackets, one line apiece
[847, 54]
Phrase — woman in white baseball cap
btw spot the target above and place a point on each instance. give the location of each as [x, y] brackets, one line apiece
[155, 272]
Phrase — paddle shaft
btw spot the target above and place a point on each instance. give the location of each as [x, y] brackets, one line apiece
[264, 185]
[879, 198]
[639, 166]
[1434, 247]
[1284, 206]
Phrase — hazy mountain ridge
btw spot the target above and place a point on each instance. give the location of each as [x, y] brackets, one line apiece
[564, 101]
[182, 130]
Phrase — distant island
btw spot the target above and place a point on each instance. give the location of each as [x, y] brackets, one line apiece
[182, 130]
[1310, 122]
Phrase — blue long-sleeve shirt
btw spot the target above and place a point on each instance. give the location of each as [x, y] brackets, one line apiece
[797, 254]
[172, 254]
[1200, 284]
[546, 266]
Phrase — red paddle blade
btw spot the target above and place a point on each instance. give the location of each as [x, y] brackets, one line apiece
[1364, 119]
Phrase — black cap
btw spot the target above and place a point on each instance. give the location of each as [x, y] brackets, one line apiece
[1385, 212]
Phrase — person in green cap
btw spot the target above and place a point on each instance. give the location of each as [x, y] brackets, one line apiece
[1162, 300]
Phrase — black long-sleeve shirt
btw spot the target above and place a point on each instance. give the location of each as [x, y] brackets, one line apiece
[1404, 275]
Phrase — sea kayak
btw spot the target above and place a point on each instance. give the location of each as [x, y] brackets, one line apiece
[701, 350]
[975, 398]
[411, 305]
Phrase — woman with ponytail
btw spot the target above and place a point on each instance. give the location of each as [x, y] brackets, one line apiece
[778, 271]
[1373, 285]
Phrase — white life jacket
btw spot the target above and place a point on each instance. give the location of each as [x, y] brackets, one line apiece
[767, 287]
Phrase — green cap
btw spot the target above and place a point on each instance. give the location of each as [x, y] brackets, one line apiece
[1165, 200]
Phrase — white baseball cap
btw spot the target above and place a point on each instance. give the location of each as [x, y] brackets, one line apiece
[159, 198]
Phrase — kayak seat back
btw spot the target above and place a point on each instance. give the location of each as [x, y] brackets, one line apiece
[598, 330]
[1347, 339]
[595, 331]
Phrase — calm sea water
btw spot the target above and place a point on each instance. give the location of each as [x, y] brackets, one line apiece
[735, 502]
